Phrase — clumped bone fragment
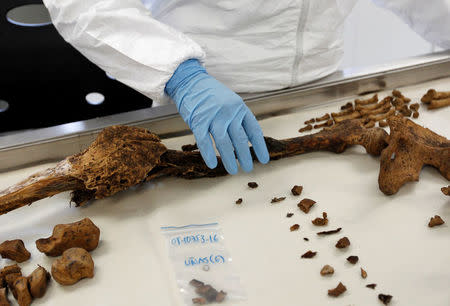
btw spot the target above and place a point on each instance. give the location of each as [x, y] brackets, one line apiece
[446, 190]
[38, 281]
[410, 148]
[123, 156]
[22, 293]
[11, 269]
[435, 221]
[337, 291]
[4, 297]
[343, 243]
[81, 234]
[306, 204]
[321, 221]
[14, 250]
[74, 265]
[297, 190]
[326, 270]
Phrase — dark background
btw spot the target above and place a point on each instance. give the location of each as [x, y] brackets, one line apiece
[45, 80]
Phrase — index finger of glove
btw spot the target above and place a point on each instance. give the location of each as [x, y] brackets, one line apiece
[255, 136]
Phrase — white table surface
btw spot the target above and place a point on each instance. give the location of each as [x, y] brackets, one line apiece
[400, 253]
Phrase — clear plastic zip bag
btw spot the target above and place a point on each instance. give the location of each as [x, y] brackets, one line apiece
[203, 266]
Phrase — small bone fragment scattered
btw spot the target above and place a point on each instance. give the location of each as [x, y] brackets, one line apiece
[37, 282]
[81, 234]
[14, 250]
[373, 99]
[382, 123]
[363, 273]
[343, 243]
[321, 221]
[308, 122]
[396, 93]
[324, 117]
[306, 204]
[21, 289]
[309, 254]
[434, 104]
[329, 232]
[207, 293]
[276, 200]
[297, 190]
[309, 127]
[352, 259]
[325, 124]
[288, 215]
[371, 286]
[413, 147]
[4, 297]
[252, 185]
[74, 265]
[446, 190]
[435, 221]
[415, 115]
[385, 298]
[434, 95]
[327, 270]
[338, 290]
[239, 201]
[294, 227]
[306, 239]
[189, 147]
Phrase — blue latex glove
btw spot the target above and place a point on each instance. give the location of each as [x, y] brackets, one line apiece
[209, 107]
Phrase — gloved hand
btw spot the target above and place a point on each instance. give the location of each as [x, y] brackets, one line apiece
[209, 107]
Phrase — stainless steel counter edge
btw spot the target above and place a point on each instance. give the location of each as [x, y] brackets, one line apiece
[22, 148]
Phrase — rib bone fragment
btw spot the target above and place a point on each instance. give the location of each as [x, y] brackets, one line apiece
[123, 156]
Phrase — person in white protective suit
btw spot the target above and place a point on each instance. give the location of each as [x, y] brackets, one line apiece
[200, 52]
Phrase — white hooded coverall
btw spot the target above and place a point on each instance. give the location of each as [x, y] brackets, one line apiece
[249, 45]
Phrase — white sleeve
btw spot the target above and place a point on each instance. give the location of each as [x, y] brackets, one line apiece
[122, 38]
[430, 19]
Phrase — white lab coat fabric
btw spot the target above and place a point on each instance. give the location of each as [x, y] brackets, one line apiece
[250, 45]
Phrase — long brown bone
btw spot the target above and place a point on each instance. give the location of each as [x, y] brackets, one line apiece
[410, 148]
[124, 156]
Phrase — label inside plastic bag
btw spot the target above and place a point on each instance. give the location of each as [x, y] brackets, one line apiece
[202, 265]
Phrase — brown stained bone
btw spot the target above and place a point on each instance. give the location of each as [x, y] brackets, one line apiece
[239, 201]
[385, 298]
[382, 123]
[435, 104]
[410, 148]
[342, 113]
[81, 234]
[324, 233]
[189, 147]
[371, 286]
[353, 259]
[289, 215]
[321, 221]
[346, 106]
[379, 117]
[371, 107]
[369, 124]
[252, 185]
[23, 295]
[432, 94]
[123, 156]
[324, 117]
[276, 200]
[435, 221]
[14, 250]
[373, 99]
[363, 273]
[414, 107]
[38, 281]
[310, 121]
[309, 127]
[10, 279]
[446, 190]
[353, 115]
[294, 227]
[4, 297]
[306, 204]
[396, 93]
[404, 110]
[377, 111]
[297, 190]
[415, 115]
[343, 243]
[74, 265]
[326, 270]
[337, 291]
[325, 124]
[199, 301]
[309, 254]
[11, 269]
